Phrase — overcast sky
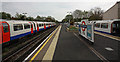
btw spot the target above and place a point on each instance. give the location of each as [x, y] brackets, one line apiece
[54, 8]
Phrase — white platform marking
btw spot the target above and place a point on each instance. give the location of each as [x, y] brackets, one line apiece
[50, 52]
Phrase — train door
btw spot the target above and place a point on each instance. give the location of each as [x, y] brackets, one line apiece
[116, 27]
[34, 26]
[37, 27]
[5, 32]
[31, 27]
[0, 33]
[49, 25]
[44, 26]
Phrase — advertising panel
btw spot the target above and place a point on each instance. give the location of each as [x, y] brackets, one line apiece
[89, 32]
[86, 29]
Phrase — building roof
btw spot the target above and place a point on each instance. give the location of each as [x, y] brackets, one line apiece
[111, 7]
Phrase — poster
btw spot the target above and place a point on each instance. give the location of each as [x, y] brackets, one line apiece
[89, 32]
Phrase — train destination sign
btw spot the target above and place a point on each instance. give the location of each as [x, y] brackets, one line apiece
[86, 29]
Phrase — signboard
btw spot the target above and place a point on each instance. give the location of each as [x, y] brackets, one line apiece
[86, 29]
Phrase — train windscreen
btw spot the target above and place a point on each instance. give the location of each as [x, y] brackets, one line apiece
[116, 27]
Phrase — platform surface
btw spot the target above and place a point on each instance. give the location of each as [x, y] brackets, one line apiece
[65, 45]
[69, 47]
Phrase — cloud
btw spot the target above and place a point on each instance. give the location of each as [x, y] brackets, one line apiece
[55, 9]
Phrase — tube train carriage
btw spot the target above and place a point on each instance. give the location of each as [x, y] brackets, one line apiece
[15, 29]
[108, 26]
[111, 27]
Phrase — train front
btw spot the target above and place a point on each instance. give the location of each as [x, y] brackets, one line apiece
[116, 28]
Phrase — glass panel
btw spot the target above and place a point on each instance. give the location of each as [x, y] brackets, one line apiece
[18, 27]
[118, 25]
[39, 25]
[26, 26]
[5, 27]
[113, 25]
[104, 25]
[97, 25]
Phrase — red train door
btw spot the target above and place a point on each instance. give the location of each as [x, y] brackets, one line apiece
[31, 27]
[44, 26]
[37, 27]
[49, 25]
[5, 32]
[0, 32]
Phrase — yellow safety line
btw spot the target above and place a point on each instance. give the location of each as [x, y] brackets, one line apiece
[109, 36]
[42, 46]
[50, 52]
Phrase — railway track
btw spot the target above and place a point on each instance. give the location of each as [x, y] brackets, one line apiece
[27, 47]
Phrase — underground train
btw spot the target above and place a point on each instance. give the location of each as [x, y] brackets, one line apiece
[14, 29]
[111, 27]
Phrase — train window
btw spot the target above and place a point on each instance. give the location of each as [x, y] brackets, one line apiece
[113, 25]
[5, 27]
[97, 25]
[40, 25]
[18, 27]
[26, 26]
[118, 25]
[104, 25]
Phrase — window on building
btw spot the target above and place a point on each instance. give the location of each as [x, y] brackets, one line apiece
[104, 25]
[18, 27]
[5, 27]
[26, 26]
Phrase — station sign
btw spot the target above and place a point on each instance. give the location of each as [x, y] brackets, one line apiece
[86, 29]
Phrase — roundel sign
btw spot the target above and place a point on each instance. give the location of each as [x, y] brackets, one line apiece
[83, 28]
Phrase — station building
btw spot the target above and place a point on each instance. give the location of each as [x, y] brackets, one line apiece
[113, 12]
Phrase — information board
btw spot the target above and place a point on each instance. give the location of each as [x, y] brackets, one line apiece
[86, 29]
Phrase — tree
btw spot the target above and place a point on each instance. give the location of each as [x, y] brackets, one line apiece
[79, 14]
[96, 13]
[68, 18]
[20, 16]
[30, 18]
[50, 19]
[38, 18]
[4, 15]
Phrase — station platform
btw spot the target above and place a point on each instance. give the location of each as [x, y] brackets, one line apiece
[62, 45]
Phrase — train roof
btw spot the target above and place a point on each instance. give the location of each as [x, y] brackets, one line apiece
[23, 21]
[106, 21]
